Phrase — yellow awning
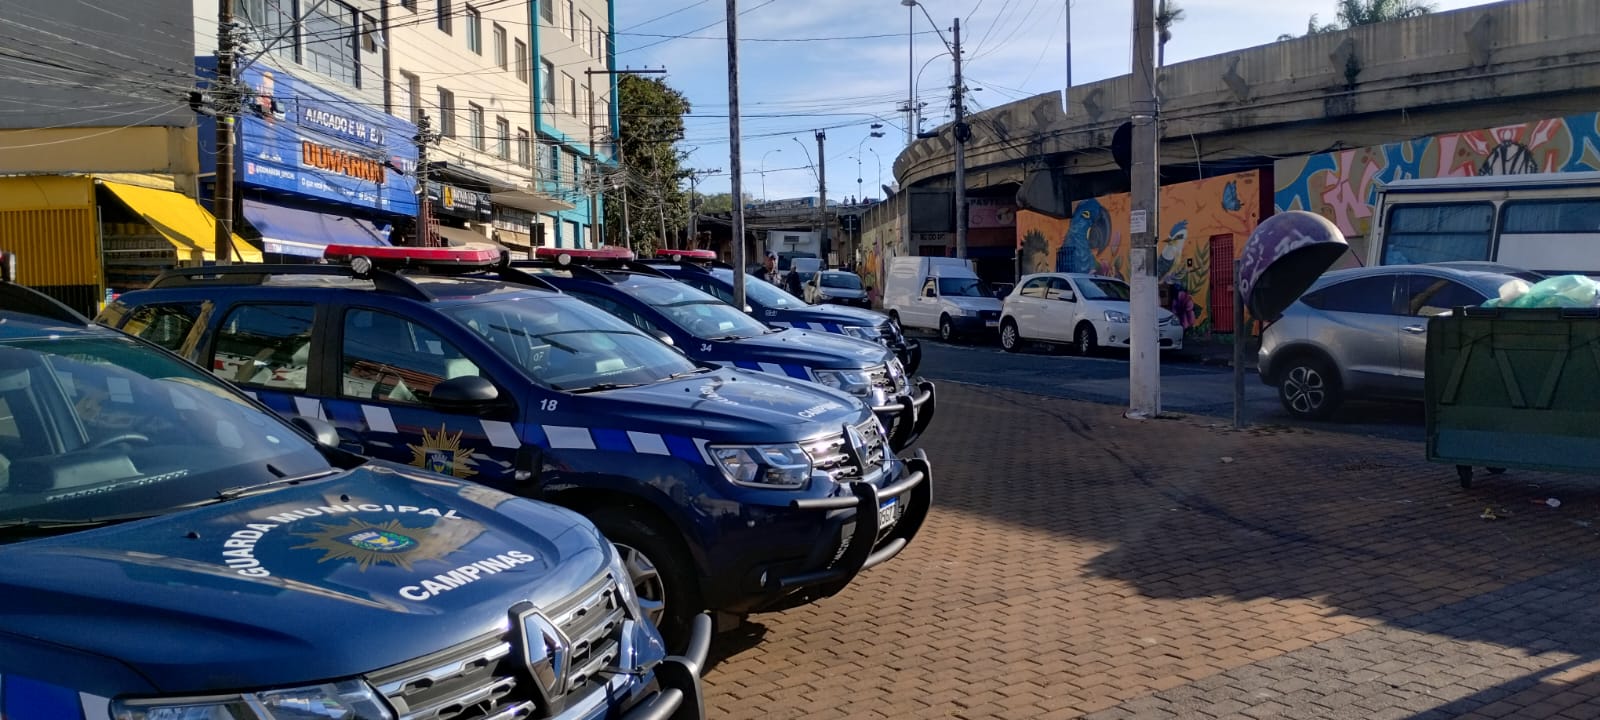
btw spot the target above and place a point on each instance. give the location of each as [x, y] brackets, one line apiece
[182, 221]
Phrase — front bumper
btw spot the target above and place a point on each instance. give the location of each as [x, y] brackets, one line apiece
[910, 353]
[975, 324]
[681, 695]
[1168, 337]
[907, 417]
[872, 538]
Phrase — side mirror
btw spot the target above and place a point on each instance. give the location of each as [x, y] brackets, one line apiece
[465, 392]
[320, 430]
[1069, 297]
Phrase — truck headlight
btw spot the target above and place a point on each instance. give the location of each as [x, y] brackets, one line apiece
[855, 382]
[780, 467]
[1115, 316]
[348, 700]
[861, 333]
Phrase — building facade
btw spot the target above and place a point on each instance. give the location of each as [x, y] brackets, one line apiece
[574, 110]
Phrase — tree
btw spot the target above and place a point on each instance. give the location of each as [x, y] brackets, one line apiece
[650, 114]
[1167, 14]
[720, 203]
[1354, 13]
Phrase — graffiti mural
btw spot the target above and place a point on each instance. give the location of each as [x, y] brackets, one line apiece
[880, 240]
[1096, 239]
[1343, 185]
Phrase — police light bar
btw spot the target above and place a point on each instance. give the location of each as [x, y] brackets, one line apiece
[567, 256]
[681, 255]
[363, 258]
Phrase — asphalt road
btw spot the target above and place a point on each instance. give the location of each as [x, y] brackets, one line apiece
[1186, 387]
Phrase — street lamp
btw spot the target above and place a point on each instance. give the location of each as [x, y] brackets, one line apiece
[911, 61]
[917, 81]
[879, 158]
[764, 172]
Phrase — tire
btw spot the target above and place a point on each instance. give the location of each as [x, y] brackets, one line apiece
[1085, 341]
[947, 329]
[660, 570]
[1309, 388]
[1010, 337]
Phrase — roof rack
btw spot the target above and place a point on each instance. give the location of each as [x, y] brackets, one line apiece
[236, 275]
[595, 269]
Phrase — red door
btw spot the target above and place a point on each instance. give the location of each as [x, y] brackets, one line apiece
[1222, 284]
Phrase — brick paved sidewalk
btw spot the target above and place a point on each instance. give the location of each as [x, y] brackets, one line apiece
[1079, 564]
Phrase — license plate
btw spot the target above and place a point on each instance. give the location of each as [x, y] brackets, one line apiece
[991, 323]
[888, 513]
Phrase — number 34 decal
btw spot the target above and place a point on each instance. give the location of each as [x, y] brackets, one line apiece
[705, 347]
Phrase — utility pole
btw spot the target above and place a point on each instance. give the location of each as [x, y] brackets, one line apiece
[425, 137]
[822, 195]
[226, 93]
[962, 133]
[734, 164]
[1144, 367]
[661, 210]
[694, 204]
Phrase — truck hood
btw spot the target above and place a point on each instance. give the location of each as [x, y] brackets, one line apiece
[731, 405]
[327, 579]
[820, 350]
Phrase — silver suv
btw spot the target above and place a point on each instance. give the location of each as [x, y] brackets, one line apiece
[1364, 332]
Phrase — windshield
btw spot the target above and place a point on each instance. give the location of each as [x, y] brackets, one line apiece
[1104, 289]
[567, 344]
[699, 314]
[963, 287]
[847, 281]
[101, 427]
[765, 294]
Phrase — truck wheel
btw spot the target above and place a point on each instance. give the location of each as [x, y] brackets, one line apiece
[947, 329]
[660, 571]
[1010, 338]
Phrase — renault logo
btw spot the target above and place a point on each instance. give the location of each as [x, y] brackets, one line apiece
[546, 651]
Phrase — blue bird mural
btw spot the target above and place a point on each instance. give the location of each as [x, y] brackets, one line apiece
[1090, 231]
[1230, 197]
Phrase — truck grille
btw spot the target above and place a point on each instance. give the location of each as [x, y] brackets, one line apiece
[831, 454]
[487, 679]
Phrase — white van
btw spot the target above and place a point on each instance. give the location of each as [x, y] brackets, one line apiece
[1548, 223]
[943, 294]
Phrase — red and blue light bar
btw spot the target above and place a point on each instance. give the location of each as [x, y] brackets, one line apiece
[365, 257]
[567, 256]
[681, 255]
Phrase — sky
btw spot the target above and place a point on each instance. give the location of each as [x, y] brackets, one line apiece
[842, 65]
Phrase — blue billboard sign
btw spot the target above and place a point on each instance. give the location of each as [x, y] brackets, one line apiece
[297, 137]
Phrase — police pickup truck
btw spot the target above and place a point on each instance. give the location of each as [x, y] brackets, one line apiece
[169, 548]
[734, 491]
[710, 330]
[776, 307]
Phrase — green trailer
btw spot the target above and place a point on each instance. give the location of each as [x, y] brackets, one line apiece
[1514, 388]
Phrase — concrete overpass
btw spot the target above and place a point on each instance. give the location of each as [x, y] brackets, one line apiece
[1478, 67]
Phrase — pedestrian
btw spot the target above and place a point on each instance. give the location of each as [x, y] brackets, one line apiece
[769, 269]
[791, 282]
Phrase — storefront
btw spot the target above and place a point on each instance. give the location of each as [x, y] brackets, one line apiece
[315, 168]
[462, 215]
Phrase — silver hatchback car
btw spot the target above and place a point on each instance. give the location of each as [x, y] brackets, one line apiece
[1364, 332]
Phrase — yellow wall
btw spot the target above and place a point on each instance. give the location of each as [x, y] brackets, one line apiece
[49, 222]
[164, 150]
[1096, 238]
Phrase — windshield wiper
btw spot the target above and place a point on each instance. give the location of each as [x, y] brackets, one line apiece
[602, 387]
[687, 373]
[243, 490]
[727, 338]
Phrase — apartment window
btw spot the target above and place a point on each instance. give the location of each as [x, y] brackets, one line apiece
[547, 163]
[370, 35]
[572, 21]
[524, 148]
[446, 16]
[500, 47]
[547, 10]
[572, 94]
[475, 126]
[274, 19]
[502, 137]
[331, 43]
[474, 30]
[520, 62]
[411, 95]
[547, 83]
[447, 113]
[586, 40]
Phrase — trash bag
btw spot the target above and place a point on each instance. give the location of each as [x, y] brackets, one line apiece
[1562, 291]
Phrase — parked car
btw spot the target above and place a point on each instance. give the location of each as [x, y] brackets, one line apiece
[171, 548]
[723, 489]
[1088, 311]
[837, 287]
[943, 294]
[711, 331]
[1362, 333]
[771, 305]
